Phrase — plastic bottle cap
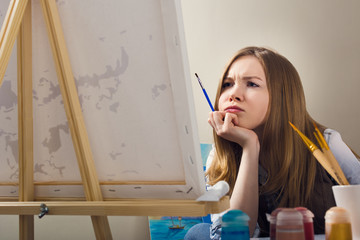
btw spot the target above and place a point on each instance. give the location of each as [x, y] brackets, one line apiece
[272, 217]
[289, 216]
[276, 211]
[307, 214]
[337, 215]
[235, 216]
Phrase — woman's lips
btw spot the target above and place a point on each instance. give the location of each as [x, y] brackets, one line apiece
[234, 109]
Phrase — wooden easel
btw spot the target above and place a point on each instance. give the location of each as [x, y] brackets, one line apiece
[17, 23]
[19, 17]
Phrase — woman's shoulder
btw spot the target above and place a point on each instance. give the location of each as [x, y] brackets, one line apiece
[331, 133]
[348, 162]
[335, 141]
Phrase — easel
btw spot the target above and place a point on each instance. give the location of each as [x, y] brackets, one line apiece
[18, 23]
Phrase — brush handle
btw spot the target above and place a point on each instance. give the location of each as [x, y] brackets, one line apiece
[325, 163]
[208, 99]
[205, 93]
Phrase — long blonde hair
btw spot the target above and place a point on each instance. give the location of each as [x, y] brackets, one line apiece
[290, 166]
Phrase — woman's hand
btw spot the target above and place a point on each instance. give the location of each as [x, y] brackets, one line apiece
[226, 125]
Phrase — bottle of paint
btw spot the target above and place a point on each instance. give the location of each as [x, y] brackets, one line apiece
[289, 225]
[272, 220]
[337, 224]
[308, 222]
[235, 226]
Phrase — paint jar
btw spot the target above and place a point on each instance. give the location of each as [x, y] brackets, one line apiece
[272, 220]
[235, 226]
[289, 225]
[337, 224]
[308, 222]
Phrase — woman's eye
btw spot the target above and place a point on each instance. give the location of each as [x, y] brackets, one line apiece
[226, 85]
[252, 84]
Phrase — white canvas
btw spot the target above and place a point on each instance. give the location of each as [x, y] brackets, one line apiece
[131, 70]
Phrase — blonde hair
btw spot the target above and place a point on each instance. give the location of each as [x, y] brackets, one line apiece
[291, 168]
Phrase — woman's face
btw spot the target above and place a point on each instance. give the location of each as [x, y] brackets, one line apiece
[245, 93]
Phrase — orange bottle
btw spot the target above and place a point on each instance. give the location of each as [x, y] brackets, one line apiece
[337, 224]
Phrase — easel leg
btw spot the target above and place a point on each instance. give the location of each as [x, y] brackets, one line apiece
[25, 122]
[9, 32]
[74, 115]
[103, 227]
[25, 109]
[26, 227]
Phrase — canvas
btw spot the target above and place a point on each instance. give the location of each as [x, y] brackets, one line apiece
[130, 66]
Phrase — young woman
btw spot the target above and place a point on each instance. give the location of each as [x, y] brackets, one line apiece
[258, 153]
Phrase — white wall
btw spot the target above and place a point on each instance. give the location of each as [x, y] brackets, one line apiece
[321, 38]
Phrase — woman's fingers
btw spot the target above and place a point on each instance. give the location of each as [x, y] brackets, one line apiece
[226, 126]
[219, 118]
[215, 119]
[230, 119]
[222, 122]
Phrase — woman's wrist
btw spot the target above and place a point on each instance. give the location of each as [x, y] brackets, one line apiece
[251, 144]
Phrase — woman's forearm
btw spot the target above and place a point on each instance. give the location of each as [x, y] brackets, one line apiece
[245, 194]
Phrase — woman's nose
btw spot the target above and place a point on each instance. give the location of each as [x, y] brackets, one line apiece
[236, 95]
[234, 98]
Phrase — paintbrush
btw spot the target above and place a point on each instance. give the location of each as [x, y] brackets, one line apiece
[319, 155]
[330, 156]
[204, 91]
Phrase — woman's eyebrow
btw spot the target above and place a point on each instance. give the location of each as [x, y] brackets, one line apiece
[252, 77]
[245, 78]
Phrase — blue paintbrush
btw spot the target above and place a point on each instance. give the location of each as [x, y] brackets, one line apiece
[207, 97]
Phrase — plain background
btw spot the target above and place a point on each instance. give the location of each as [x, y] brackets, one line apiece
[321, 38]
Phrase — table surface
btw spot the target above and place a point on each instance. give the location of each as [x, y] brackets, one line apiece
[317, 237]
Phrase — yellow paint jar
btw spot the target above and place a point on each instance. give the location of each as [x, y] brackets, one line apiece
[337, 224]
